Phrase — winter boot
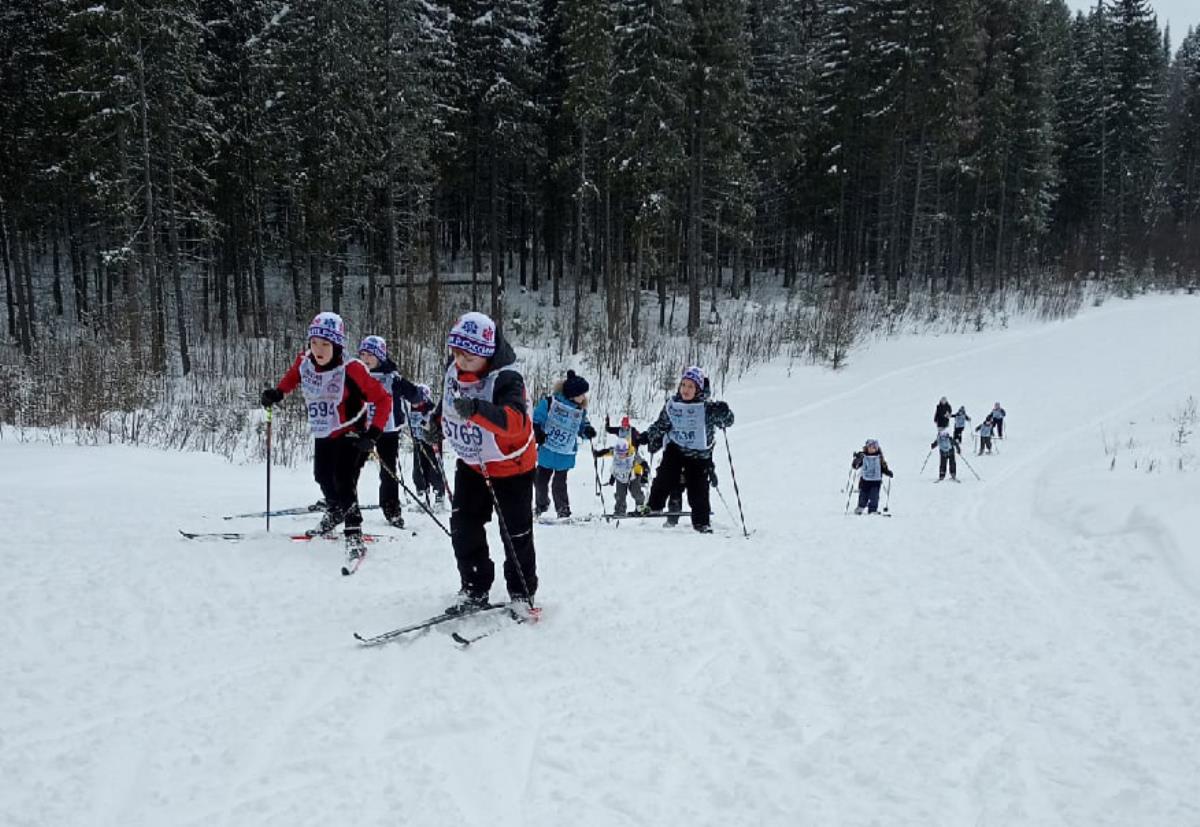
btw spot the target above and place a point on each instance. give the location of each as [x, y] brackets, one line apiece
[703, 529]
[858, 510]
[356, 548]
[468, 602]
[396, 520]
[329, 521]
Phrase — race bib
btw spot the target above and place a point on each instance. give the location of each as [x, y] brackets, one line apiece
[562, 427]
[322, 392]
[687, 425]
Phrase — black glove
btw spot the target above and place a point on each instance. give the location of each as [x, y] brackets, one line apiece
[270, 397]
[712, 476]
[465, 406]
[539, 435]
[599, 452]
[607, 423]
[367, 439]
[857, 454]
[889, 473]
[638, 438]
[589, 432]
[720, 408]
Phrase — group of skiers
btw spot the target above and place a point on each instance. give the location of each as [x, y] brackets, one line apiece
[507, 448]
[873, 467]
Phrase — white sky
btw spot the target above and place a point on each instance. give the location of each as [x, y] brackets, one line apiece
[1179, 13]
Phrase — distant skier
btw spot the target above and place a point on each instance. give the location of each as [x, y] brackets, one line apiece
[628, 466]
[559, 420]
[426, 432]
[373, 352]
[985, 435]
[687, 423]
[338, 392]
[997, 416]
[941, 414]
[874, 469]
[947, 447]
[960, 423]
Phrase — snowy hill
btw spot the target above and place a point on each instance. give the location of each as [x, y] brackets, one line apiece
[1021, 650]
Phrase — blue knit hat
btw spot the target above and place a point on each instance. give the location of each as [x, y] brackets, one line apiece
[328, 326]
[376, 346]
[474, 333]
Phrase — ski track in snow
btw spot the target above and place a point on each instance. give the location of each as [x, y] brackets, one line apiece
[1020, 650]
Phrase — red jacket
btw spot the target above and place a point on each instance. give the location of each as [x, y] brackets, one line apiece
[360, 389]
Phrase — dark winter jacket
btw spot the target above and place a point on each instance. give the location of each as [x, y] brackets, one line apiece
[716, 415]
[402, 390]
[941, 414]
[857, 462]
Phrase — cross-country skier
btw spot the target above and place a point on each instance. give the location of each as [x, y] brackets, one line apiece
[559, 420]
[874, 469]
[485, 419]
[338, 392]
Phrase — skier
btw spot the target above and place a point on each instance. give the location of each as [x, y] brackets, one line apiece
[985, 435]
[946, 448]
[427, 447]
[960, 423]
[687, 423]
[373, 352]
[941, 414]
[337, 392]
[485, 418]
[997, 416]
[874, 469]
[558, 422]
[629, 466]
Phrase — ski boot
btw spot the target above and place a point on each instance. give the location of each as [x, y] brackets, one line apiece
[329, 521]
[468, 603]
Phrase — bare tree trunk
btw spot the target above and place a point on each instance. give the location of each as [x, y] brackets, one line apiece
[176, 281]
[78, 268]
[158, 345]
[534, 252]
[635, 321]
[56, 264]
[10, 298]
[497, 305]
[433, 298]
[294, 257]
[580, 194]
[260, 266]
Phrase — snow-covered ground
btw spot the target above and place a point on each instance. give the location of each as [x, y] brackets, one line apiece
[1021, 650]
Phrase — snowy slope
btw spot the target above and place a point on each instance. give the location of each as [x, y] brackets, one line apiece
[1021, 650]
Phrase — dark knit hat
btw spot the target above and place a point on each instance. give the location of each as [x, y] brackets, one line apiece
[574, 385]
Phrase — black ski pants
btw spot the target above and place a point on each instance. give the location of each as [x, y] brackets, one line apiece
[472, 511]
[336, 466]
[696, 481]
[553, 480]
[426, 469]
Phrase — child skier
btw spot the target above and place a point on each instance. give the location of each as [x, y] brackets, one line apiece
[997, 416]
[874, 469]
[687, 423]
[373, 352]
[426, 434]
[337, 392]
[558, 422]
[960, 423]
[629, 466]
[985, 435]
[485, 418]
[946, 448]
[941, 414]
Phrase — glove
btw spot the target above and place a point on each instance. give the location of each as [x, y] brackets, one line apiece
[465, 406]
[720, 408]
[857, 454]
[367, 439]
[599, 452]
[889, 473]
[607, 422]
[638, 438]
[589, 432]
[539, 435]
[270, 397]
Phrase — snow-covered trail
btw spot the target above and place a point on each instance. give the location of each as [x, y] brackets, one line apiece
[1017, 650]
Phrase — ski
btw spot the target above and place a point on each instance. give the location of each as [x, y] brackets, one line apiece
[464, 641]
[352, 565]
[649, 516]
[235, 536]
[444, 617]
[289, 512]
[573, 520]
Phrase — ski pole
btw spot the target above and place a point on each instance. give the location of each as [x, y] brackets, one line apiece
[849, 480]
[269, 409]
[435, 459]
[973, 471]
[849, 493]
[887, 500]
[510, 551]
[596, 469]
[736, 491]
[409, 491]
[926, 462]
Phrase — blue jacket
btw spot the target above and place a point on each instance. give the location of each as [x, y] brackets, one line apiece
[547, 458]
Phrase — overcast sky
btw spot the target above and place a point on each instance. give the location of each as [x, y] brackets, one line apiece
[1179, 13]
